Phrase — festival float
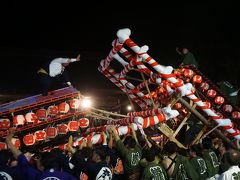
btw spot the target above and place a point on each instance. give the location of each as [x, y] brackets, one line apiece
[167, 103]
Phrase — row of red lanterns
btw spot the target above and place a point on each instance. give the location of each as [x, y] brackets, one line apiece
[51, 132]
[211, 93]
[40, 115]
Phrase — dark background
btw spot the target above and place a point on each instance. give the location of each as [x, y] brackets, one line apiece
[35, 32]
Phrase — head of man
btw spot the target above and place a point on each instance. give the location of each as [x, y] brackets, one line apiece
[130, 142]
[232, 157]
[185, 50]
[99, 154]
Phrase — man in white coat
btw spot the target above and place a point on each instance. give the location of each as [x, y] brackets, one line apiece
[54, 71]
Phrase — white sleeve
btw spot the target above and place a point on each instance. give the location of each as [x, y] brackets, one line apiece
[61, 60]
[73, 59]
[55, 69]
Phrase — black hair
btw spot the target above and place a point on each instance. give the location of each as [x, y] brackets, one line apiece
[101, 152]
[197, 149]
[5, 156]
[131, 143]
[49, 160]
[86, 152]
[207, 143]
[150, 155]
[170, 147]
[233, 157]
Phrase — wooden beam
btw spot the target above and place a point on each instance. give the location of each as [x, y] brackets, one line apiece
[205, 121]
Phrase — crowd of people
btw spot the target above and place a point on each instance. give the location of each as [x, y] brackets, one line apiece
[135, 156]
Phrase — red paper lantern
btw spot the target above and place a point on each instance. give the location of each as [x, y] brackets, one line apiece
[41, 114]
[4, 124]
[211, 93]
[83, 123]
[31, 117]
[179, 83]
[62, 128]
[74, 103]
[51, 132]
[52, 110]
[236, 115]
[40, 135]
[197, 79]
[16, 142]
[29, 139]
[73, 125]
[188, 73]
[204, 86]
[219, 100]
[207, 104]
[3, 145]
[18, 120]
[63, 107]
[227, 108]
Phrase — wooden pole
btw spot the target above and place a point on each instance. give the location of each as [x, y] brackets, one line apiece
[148, 90]
[204, 120]
[110, 113]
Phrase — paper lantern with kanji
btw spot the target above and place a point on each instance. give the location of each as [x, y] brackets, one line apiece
[51, 132]
[18, 120]
[31, 117]
[29, 139]
[204, 86]
[4, 124]
[211, 93]
[16, 142]
[3, 145]
[74, 103]
[73, 125]
[41, 114]
[197, 79]
[227, 108]
[188, 73]
[40, 135]
[52, 110]
[62, 128]
[83, 123]
[236, 115]
[219, 100]
[63, 107]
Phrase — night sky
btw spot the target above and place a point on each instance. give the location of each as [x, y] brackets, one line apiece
[35, 32]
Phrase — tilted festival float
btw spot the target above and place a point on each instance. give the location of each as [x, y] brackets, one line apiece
[168, 100]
